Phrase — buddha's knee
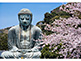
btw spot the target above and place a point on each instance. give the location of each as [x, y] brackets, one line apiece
[7, 54]
[36, 54]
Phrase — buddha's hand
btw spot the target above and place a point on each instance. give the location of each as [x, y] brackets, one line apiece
[14, 49]
[24, 50]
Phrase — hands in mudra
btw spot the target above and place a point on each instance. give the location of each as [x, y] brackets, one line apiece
[15, 49]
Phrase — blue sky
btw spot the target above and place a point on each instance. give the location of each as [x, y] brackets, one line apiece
[9, 12]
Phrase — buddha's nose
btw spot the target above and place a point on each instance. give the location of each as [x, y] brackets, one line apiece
[24, 22]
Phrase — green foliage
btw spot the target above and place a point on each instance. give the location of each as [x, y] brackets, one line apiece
[56, 10]
[65, 17]
[68, 8]
[47, 15]
[47, 32]
[78, 26]
[50, 17]
[3, 41]
[47, 53]
[46, 20]
[56, 17]
[79, 16]
[63, 13]
[63, 6]
[39, 23]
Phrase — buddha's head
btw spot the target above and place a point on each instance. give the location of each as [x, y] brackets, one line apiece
[25, 17]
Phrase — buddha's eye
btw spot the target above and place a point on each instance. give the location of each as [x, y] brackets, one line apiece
[27, 15]
[22, 18]
[27, 18]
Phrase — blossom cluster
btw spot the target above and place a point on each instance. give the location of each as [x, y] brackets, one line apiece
[67, 32]
[71, 8]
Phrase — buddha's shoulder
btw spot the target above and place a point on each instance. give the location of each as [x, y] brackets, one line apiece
[36, 28]
[14, 28]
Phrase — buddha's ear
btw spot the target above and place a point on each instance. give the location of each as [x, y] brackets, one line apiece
[31, 18]
[18, 17]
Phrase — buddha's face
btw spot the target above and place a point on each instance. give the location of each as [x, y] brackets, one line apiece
[25, 19]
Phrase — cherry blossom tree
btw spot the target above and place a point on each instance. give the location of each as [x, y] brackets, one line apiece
[67, 34]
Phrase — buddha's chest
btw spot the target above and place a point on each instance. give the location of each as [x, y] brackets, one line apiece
[25, 35]
[26, 38]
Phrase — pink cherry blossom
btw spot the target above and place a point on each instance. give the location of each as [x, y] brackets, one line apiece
[67, 32]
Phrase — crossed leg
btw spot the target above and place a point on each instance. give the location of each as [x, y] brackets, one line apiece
[9, 54]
